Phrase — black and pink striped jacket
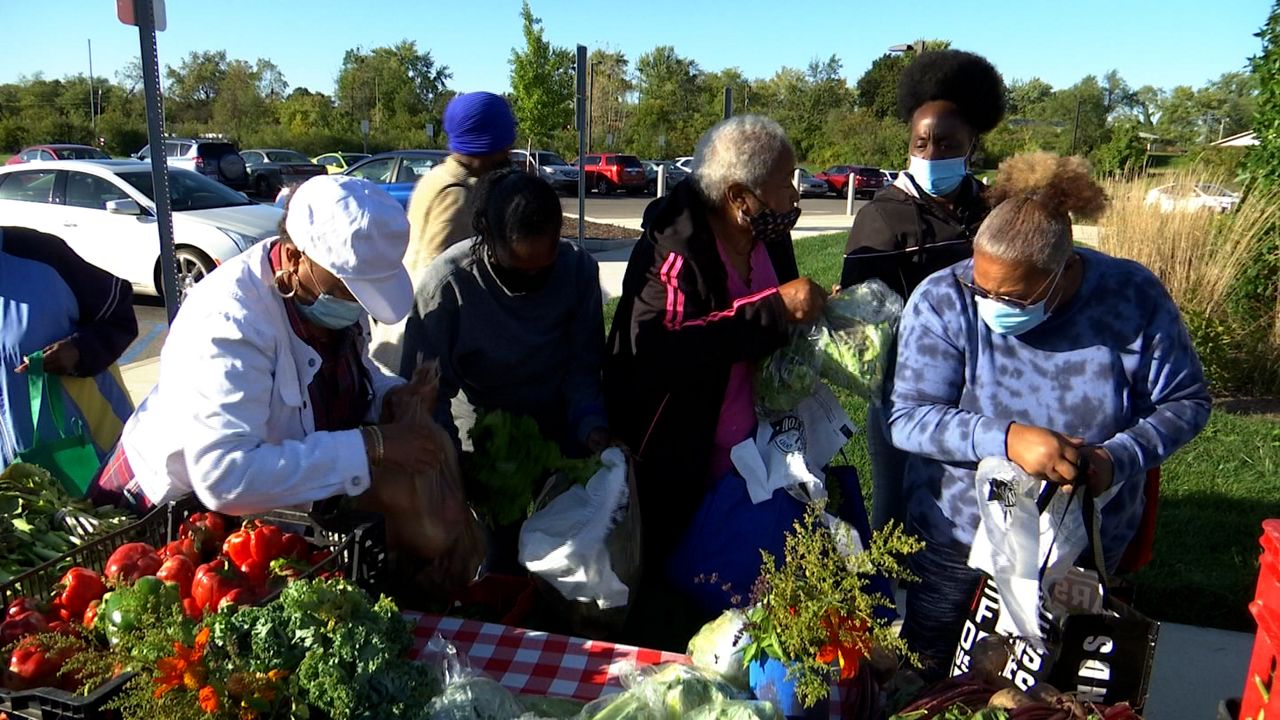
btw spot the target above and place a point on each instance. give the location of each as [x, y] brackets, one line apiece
[674, 338]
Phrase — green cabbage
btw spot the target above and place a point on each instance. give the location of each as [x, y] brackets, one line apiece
[718, 648]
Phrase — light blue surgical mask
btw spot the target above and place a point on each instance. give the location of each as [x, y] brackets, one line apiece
[938, 177]
[1006, 319]
[332, 312]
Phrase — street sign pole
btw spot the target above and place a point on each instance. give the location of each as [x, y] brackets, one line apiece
[580, 118]
[145, 14]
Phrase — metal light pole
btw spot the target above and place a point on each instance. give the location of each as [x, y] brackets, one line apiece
[93, 117]
[580, 120]
[1075, 130]
[728, 103]
[591, 105]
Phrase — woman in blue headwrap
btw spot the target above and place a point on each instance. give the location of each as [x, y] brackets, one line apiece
[481, 131]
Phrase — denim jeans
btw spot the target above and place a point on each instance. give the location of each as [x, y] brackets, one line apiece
[888, 468]
[938, 605]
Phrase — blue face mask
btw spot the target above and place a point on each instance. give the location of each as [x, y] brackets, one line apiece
[332, 312]
[1005, 319]
[938, 177]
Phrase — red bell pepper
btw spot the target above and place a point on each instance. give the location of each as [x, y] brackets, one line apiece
[294, 546]
[191, 609]
[31, 666]
[239, 547]
[214, 580]
[91, 614]
[319, 556]
[186, 547]
[207, 530]
[14, 629]
[132, 561]
[256, 571]
[22, 606]
[268, 543]
[239, 596]
[80, 586]
[178, 570]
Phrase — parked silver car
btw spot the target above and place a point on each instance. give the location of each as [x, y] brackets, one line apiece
[675, 174]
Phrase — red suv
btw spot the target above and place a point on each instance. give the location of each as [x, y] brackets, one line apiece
[612, 171]
[866, 180]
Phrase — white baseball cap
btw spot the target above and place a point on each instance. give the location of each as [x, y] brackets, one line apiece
[358, 232]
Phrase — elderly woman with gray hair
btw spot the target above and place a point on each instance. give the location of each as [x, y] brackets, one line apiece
[711, 289]
[1043, 353]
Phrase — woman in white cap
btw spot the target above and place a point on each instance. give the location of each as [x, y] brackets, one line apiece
[267, 396]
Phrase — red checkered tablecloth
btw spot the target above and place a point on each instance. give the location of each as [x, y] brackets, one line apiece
[528, 662]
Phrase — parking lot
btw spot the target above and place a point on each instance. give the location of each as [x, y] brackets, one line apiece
[152, 327]
[624, 207]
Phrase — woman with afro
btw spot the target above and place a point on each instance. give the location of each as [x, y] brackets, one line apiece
[927, 219]
[1073, 364]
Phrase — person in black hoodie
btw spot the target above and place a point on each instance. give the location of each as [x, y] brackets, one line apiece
[927, 219]
[711, 288]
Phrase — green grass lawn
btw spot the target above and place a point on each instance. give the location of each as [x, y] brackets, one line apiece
[1215, 494]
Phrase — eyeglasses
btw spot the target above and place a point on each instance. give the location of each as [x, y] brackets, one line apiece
[1051, 283]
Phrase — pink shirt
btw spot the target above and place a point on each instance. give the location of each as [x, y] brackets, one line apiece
[738, 413]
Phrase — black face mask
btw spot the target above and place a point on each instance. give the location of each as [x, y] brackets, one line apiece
[521, 283]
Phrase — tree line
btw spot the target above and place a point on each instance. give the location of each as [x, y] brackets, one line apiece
[655, 105]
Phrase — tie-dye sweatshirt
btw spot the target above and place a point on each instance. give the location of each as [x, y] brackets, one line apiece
[1115, 366]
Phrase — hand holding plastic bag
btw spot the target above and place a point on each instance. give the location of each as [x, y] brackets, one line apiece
[432, 534]
[848, 348]
[1024, 550]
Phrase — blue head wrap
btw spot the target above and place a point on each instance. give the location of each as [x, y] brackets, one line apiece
[479, 123]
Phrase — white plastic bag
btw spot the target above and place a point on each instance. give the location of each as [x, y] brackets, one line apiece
[1026, 552]
[791, 448]
[565, 544]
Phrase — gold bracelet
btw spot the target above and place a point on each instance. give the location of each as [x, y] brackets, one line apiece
[377, 437]
[371, 445]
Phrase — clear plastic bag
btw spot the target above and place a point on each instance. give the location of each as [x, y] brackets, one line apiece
[434, 539]
[667, 692]
[847, 348]
[467, 694]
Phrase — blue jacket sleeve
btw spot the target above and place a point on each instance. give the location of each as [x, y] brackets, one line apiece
[925, 417]
[1172, 396]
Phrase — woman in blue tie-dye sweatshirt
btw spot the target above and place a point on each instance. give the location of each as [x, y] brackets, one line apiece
[1040, 352]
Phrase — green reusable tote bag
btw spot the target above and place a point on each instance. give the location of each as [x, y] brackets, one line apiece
[70, 457]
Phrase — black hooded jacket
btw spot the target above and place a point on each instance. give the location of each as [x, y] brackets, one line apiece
[674, 338]
[902, 239]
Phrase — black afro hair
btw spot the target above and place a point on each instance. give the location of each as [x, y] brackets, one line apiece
[962, 78]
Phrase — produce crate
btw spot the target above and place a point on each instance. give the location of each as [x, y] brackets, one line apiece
[54, 704]
[1261, 691]
[357, 540]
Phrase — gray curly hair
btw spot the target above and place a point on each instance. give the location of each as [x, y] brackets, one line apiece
[742, 149]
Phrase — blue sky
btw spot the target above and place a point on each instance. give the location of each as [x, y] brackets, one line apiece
[1158, 42]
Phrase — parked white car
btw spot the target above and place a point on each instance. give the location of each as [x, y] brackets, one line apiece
[104, 211]
[1192, 197]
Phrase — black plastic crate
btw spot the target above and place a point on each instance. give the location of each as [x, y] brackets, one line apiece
[357, 541]
[55, 704]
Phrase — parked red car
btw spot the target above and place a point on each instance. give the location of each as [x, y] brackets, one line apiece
[57, 152]
[866, 180]
[608, 172]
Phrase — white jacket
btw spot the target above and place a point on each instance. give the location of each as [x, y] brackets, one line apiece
[231, 417]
